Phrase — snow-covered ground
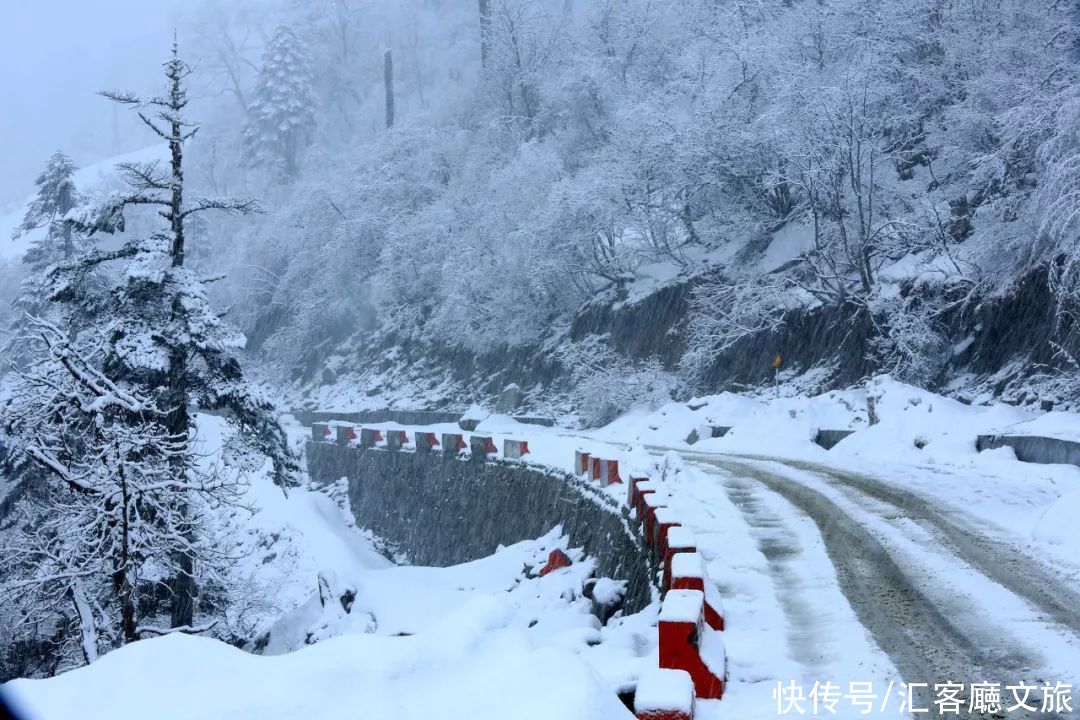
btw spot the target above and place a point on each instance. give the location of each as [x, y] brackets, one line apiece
[960, 536]
[483, 639]
[474, 641]
[878, 561]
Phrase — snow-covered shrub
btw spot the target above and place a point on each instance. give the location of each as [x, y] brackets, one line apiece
[607, 384]
[910, 344]
[724, 311]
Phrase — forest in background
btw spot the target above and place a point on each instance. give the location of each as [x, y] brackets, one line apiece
[892, 165]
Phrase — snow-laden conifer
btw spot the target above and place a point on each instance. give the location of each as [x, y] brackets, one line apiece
[281, 118]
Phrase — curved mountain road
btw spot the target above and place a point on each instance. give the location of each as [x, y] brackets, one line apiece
[922, 581]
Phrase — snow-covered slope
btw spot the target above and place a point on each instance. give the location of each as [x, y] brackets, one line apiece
[478, 640]
[472, 665]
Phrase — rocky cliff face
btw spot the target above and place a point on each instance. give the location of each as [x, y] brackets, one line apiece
[1013, 345]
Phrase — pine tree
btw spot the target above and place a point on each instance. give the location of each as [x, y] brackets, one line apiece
[159, 344]
[56, 197]
[281, 119]
[112, 515]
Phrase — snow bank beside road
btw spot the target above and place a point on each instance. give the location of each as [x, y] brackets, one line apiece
[914, 426]
[470, 666]
[477, 640]
[286, 540]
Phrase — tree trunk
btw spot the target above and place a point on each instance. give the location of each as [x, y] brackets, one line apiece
[388, 84]
[177, 425]
[87, 626]
[177, 204]
[485, 31]
[175, 398]
[121, 577]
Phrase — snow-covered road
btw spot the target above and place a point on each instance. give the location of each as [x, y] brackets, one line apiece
[943, 601]
[902, 557]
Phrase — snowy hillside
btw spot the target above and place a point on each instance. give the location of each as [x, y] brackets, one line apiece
[95, 180]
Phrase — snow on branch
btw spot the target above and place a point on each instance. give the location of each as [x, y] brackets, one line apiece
[241, 206]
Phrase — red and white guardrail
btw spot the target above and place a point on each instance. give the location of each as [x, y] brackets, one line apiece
[692, 659]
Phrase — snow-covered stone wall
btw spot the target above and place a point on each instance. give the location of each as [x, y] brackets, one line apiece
[441, 511]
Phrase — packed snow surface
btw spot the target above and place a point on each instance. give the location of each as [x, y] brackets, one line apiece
[469, 665]
[475, 640]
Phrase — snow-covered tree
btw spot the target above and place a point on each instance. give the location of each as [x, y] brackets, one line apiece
[53, 240]
[281, 118]
[112, 518]
[162, 339]
[598, 145]
[56, 197]
[610, 384]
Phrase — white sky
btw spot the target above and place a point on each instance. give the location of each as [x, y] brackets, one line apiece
[54, 56]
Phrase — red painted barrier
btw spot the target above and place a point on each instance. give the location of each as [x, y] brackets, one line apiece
[556, 559]
[666, 518]
[426, 442]
[320, 432]
[396, 439]
[632, 490]
[581, 462]
[370, 437]
[609, 473]
[688, 573]
[664, 694]
[514, 449]
[680, 629]
[650, 501]
[678, 540]
[453, 443]
[644, 488]
[482, 446]
[346, 434]
[594, 468]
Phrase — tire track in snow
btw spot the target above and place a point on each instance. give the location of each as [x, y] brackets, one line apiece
[788, 617]
[780, 546]
[924, 644]
[1002, 563]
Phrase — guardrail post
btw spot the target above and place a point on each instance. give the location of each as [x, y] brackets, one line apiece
[680, 629]
[370, 437]
[664, 694]
[514, 449]
[453, 444]
[581, 462]
[482, 446]
[679, 540]
[688, 573]
[396, 439]
[426, 442]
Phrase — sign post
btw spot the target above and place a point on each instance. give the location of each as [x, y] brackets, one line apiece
[776, 372]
